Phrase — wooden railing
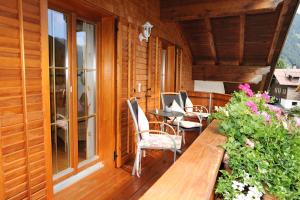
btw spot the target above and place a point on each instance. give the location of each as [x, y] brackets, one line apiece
[194, 174]
[209, 100]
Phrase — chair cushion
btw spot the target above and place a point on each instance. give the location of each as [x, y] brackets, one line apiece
[159, 141]
[194, 114]
[175, 107]
[188, 105]
[143, 123]
[188, 124]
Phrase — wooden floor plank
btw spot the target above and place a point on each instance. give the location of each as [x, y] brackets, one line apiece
[117, 183]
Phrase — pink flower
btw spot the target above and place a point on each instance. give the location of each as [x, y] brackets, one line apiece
[246, 88]
[266, 116]
[252, 106]
[276, 110]
[297, 120]
[266, 96]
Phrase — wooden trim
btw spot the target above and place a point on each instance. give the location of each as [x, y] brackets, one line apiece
[46, 96]
[180, 71]
[129, 83]
[149, 74]
[1, 170]
[24, 95]
[98, 82]
[73, 110]
[119, 93]
[242, 38]
[156, 91]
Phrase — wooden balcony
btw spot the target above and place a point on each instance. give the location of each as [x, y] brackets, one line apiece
[191, 40]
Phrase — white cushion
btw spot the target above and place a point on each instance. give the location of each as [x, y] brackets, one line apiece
[175, 107]
[143, 123]
[159, 141]
[188, 105]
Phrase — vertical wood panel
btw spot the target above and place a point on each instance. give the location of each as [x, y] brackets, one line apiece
[107, 92]
[170, 70]
[24, 93]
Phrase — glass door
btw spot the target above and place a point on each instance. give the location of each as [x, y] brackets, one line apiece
[86, 90]
[73, 109]
[59, 90]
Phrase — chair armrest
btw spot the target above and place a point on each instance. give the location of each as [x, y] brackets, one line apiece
[163, 123]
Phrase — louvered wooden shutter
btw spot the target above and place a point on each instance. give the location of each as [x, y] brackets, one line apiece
[22, 132]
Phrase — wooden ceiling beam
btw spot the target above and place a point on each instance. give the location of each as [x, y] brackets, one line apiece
[242, 38]
[177, 10]
[211, 39]
[228, 69]
[226, 73]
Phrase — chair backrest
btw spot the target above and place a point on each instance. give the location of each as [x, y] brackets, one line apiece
[167, 99]
[133, 108]
[184, 96]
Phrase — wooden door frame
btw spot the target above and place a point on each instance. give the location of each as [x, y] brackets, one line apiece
[105, 62]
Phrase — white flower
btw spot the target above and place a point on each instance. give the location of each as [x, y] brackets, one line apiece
[255, 191]
[240, 197]
[226, 113]
[250, 143]
[238, 186]
[217, 108]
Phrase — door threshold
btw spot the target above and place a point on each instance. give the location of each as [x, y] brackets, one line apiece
[73, 179]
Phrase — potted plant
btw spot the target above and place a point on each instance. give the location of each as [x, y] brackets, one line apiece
[262, 149]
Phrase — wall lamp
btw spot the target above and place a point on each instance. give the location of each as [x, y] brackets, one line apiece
[146, 32]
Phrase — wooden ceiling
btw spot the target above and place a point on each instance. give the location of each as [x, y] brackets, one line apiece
[230, 38]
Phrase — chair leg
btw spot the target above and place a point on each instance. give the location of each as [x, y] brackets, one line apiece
[183, 137]
[136, 164]
[174, 159]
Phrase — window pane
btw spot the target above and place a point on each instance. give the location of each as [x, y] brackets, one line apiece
[86, 138]
[59, 93]
[58, 38]
[85, 38]
[91, 92]
[60, 146]
[62, 103]
[81, 94]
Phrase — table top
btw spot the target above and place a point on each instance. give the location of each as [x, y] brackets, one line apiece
[166, 114]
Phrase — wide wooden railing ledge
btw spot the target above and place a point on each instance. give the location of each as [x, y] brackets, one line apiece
[194, 174]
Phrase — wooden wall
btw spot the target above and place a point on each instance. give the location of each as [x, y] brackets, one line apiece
[23, 155]
[140, 62]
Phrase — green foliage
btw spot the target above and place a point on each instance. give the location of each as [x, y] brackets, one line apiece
[295, 111]
[273, 164]
[281, 64]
